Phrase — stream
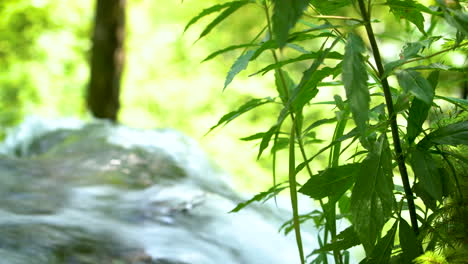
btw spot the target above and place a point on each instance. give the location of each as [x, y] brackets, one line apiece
[74, 192]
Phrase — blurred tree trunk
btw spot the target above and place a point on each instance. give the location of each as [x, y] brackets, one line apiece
[107, 59]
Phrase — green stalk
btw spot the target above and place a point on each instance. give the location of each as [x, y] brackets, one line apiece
[292, 158]
[293, 192]
[400, 157]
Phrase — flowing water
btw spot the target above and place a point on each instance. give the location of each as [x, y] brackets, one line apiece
[98, 193]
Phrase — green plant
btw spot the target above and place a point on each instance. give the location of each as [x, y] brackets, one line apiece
[380, 129]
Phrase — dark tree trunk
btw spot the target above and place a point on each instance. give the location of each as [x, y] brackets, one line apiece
[107, 59]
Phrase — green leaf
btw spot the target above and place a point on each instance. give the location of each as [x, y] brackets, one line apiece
[344, 240]
[233, 7]
[416, 117]
[409, 10]
[372, 198]
[418, 112]
[313, 55]
[319, 123]
[211, 10]
[452, 134]
[383, 249]
[332, 182]
[261, 197]
[408, 241]
[282, 78]
[434, 66]
[428, 200]
[463, 103]
[266, 139]
[285, 15]
[414, 83]
[355, 81]
[330, 6]
[241, 110]
[308, 90]
[234, 47]
[425, 170]
[239, 65]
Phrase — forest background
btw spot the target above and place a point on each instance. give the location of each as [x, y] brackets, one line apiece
[45, 50]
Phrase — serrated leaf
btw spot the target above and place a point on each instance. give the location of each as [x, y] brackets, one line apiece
[344, 240]
[419, 111]
[209, 11]
[253, 137]
[372, 198]
[434, 66]
[266, 139]
[409, 10]
[313, 55]
[416, 117]
[241, 110]
[413, 82]
[319, 123]
[233, 47]
[428, 200]
[463, 103]
[355, 81]
[284, 84]
[330, 6]
[425, 170]
[308, 90]
[452, 134]
[285, 15]
[332, 182]
[233, 7]
[408, 241]
[239, 65]
[261, 197]
[383, 249]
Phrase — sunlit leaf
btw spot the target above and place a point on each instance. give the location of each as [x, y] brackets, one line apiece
[372, 198]
[332, 182]
[211, 10]
[463, 103]
[319, 123]
[266, 139]
[233, 7]
[416, 117]
[234, 47]
[241, 110]
[418, 112]
[261, 197]
[330, 6]
[383, 249]
[408, 241]
[425, 170]
[432, 66]
[413, 82]
[308, 90]
[285, 15]
[355, 81]
[409, 10]
[428, 200]
[452, 134]
[284, 84]
[313, 55]
[344, 240]
[239, 65]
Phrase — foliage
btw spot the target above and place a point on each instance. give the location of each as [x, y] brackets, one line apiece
[368, 181]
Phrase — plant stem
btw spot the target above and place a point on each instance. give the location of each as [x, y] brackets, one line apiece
[292, 157]
[400, 157]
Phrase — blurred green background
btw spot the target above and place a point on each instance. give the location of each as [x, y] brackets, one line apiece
[44, 53]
